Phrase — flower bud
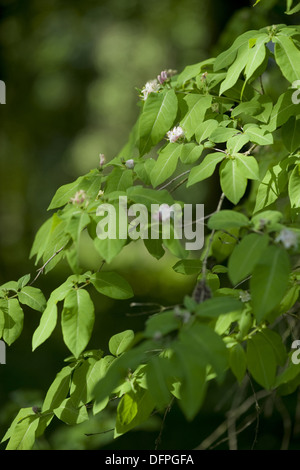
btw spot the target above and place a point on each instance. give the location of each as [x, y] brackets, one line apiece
[129, 164]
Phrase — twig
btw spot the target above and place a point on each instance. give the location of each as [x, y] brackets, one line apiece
[257, 413]
[167, 410]
[237, 412]
[287, 423]
[40, 270]
[97, 433]
[240, 430]
[173, 179]
[250, 150]
[178, 185]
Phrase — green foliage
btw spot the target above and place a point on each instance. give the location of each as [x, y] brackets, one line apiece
[228, 127]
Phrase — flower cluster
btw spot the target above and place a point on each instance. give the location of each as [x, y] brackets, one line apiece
[175, 134]
[79, 198]
[151, 87]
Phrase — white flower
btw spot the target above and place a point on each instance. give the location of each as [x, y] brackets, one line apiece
[79, 198]
[164, 213]
[151, 87]
[175, 134]
[245, 296]
[129, 164]
[288, 238]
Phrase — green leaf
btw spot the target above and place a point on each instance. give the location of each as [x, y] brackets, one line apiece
[223, 134]
[208, 347]
[23, 435]
[23, 281]
[205, 169]
[47, 324]
[197, 106]
[235, 143]
[236, 68]
[166, 164]
[248, 166]
[290, 133]
[237, 361]
[188, 266]
[118, 180]
[120, 342]
[190, 153]
[58, 390]
[250, 108]
[270, 187]
[245, 256]
[293, 10]
[217, 306]
[109, 248]
[294, 187]
[256, 56]
[13, 320]
[227, 219]
[275, 341]
[112, 285]
[77, 320]
[283, 110]
[100, 368]
[261, 361]
[157, 375]
[269, 281]
[134, 408]
[227, 57]
[161, 324]
[77, 223]
[65, 193]
[259, 136]
[287, 56]
[159, 113]
[147, 196]
[233, 181]
[205, 129]
[70, 414]
[84, 379]
[32, 297]
[191, 371]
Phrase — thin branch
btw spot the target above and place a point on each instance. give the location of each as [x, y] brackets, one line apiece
[41, 270]
[178, 185]
[250, 150]
[287, 423]
[240, 430]
[237, 412]
[168, 409]
[257, 407]
[173, 179]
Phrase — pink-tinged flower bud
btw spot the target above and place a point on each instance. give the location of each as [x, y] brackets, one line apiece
[129, 164]
[79, 198]
[162, 77]
[175, 134]
[102, 160]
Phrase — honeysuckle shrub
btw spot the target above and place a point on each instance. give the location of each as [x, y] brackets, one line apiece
[216, 117]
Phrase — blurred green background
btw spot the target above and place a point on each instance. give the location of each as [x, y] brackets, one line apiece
[71, 70]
